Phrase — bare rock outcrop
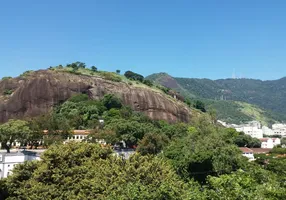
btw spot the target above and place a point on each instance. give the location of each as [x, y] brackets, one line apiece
[38, 92]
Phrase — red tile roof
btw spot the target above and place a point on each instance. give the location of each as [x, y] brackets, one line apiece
[260, 150]
[75, 132]
[245, 150]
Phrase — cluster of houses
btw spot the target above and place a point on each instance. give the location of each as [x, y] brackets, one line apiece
[269, 137]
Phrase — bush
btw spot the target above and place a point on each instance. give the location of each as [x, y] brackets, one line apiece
[26, 73]
[7, 92]
[111, 101]
[6, 78]
[164, 89]
[200, 106]
[278, 150]
[111, 76]
[148, 82]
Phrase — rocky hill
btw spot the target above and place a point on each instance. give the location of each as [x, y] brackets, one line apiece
[35, 93]
[263, 99]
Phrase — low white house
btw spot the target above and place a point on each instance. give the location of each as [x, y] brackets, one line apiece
[269, 143]
[247, 153]
[9, 160]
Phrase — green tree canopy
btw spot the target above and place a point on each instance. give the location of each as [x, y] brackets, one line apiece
[14, 130]
[134, 76]
[87, 171]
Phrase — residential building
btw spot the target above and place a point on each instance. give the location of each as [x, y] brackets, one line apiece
[269, 143]
[267, 131]
[78, 135]
[279, 129]
[9, 160]
[247, 152]
[253, 131]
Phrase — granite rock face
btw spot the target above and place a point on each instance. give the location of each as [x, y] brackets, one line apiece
[38, 92]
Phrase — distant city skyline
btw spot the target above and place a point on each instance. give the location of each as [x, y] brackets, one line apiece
[186, 38]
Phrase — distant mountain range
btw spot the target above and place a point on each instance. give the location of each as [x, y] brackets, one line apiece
[235, 100]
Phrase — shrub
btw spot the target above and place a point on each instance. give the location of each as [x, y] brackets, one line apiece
[148, 82]
[111, 101]
[7, 92]
[111, 76]
[6, 78]
[164, 89]
[26, 73]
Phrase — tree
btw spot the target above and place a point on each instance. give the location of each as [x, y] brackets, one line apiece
[244, 140]
[134, 76]
[188, 102]
[129, 131]
[202, 152]
[118, 71]
[253, 183]
[77, 65]
[13, 130]
[152, 143]
[200, 105]
[88, 171]
[93, 68]
[111, 101]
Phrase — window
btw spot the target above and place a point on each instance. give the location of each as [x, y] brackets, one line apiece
[8, 165]
[77, 137]
[80, 137]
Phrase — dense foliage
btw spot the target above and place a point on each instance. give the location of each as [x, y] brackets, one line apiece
[134, 76]
[87, 171]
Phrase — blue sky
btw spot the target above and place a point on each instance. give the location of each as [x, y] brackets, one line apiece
[191, 38]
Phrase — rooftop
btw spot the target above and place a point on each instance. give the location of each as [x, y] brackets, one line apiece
[245, 150]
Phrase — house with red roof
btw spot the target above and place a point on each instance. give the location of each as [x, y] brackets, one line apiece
[269, 143]
[247, 152]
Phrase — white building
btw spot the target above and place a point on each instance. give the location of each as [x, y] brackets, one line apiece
[247, 153]
[269, 143]
[267, 131]
[279, 129]
[254, 132]
[9, 160]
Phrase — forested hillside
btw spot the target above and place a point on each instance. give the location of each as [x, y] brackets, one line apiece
[225, 94]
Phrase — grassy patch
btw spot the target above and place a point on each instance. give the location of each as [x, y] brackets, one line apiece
[7, 92]
[6, 78]
[26, 73]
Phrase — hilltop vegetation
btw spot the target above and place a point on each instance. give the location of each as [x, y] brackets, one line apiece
[235, 100]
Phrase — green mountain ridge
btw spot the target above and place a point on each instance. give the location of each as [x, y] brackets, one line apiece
[235, 100]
